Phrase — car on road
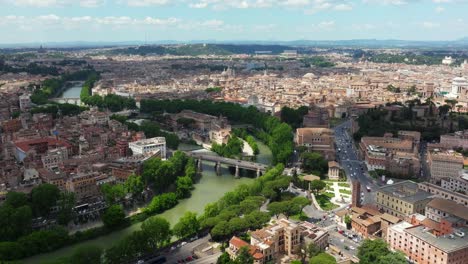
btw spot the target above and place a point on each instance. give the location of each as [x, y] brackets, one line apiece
[368, 188]
[352, 248]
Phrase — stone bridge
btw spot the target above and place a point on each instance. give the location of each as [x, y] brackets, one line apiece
[238, 164]
[75, 101]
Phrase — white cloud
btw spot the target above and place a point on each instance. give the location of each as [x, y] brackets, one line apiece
[91, 3]
[326, 25]
[430, 25]
[54, 3]
[343, 7]
[37, 3]
[142, 3]
[389, 2]
[439, 9]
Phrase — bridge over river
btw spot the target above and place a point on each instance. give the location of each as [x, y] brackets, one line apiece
[238, 164]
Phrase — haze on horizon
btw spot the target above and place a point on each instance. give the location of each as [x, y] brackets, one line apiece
[26, 21]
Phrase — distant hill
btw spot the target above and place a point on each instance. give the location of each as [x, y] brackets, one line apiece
[240, 46]
[201, 49]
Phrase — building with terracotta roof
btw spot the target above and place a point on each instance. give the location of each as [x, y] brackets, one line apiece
[39, 145]
[317, 140]
[235, 244]
[443, 164]
[440, 210]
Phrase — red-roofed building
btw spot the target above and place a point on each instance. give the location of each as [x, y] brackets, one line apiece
[235, 244]
[39, 146]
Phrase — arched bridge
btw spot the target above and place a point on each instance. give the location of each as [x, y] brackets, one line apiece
[75, 101]
[238, 164]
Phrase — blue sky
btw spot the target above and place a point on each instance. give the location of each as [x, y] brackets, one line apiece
[23, 21]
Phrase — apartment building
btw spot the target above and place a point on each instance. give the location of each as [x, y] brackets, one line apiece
[149, 147]
[318, 140]
[54, 157]
[402, 199]
[422, 246]
[438, 191]
[440, 210]
[282, 237]
[455, 140]
[316, 117]
[444, 164]
[83, 185]
[396, 155]
[459, 184]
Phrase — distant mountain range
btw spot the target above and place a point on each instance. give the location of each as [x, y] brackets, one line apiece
[354, 43]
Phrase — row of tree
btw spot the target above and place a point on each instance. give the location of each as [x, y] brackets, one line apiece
[64, 109]
[276, 134]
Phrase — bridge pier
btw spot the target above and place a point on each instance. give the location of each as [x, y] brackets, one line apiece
[258, 172]
[200, 165]
[237, 172]
[218, 168]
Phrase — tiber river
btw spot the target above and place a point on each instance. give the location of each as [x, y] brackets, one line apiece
[209, 189]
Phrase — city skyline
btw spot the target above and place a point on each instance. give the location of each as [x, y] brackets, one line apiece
[33, 21]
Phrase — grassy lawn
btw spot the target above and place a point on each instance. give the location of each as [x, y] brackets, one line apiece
[344, 191]
[343, 184]
[324, 201]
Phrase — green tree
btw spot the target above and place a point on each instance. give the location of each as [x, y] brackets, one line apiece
[299, 203]
[65, 205]
[221, 230]
[313, 162]
[158, 231]
[114, 216]
[113, 193]
[277, 208]
[323, 258]
[371, 250]
[134, 185]
[317, 186]
[244, 257]
[393, 258]
[187, 226]
[224, 259]
[43, 197]
[184, 187]
[312, 250]
[348, 221]
[16, 199]
[86, 255]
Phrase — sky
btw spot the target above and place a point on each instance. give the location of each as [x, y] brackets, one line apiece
[42, 21]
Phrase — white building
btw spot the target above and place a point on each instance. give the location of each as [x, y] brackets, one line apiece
[459, 86]
[447, 60]
[149, 147]
[25, 102]
[464, 65]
